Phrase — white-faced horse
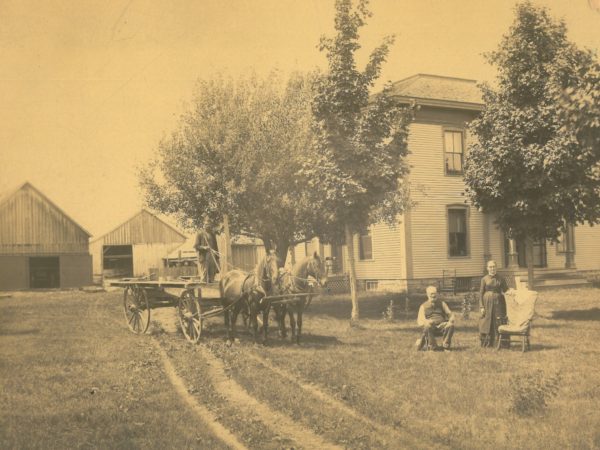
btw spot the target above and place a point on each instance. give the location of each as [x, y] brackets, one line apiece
[246, 291]
[298, 281]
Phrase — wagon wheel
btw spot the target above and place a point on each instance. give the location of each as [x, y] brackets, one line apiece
[137, 309]
[190, 316]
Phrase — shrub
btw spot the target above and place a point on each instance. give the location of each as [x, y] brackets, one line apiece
[530, 392]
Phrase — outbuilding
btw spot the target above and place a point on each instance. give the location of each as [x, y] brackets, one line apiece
[136, 247]
[40, 245]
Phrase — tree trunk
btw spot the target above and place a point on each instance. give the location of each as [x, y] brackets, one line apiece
[352, 273]
[529, 252]
[228, 256]
[281, 251]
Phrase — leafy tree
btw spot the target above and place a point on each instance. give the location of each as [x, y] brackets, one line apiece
[355, 171]
[236, 152]
[535, 165]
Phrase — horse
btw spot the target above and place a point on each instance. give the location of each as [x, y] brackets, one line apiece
[297, 282]
[240, 290]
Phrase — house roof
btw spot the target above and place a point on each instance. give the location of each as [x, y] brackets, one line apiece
[437, 90]
[6, 195]
[142, 211]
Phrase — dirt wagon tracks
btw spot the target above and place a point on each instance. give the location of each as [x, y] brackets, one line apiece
[402, 439]
[238, 396]
[203, 413]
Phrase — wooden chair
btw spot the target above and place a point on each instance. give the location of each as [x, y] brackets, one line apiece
[447, 285]
[520, 309]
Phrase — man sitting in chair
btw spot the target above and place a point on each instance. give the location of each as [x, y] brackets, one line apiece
[437, 320]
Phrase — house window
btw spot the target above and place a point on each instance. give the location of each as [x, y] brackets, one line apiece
[561, 245]
[365, 245]
[453, 152]
[457, 232]
[371, 285]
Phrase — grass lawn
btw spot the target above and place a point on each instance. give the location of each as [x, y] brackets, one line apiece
[460, 399]
[73, 376]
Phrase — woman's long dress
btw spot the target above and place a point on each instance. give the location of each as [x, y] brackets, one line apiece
[492, 300]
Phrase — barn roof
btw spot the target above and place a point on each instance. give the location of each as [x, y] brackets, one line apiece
[134, 217]
[7, 195]
[437, 90]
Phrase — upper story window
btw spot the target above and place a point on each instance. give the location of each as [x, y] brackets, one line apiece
[453, 152]
[457, 232]
[365, 245]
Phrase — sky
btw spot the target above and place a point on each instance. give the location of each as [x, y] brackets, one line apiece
[88, 88]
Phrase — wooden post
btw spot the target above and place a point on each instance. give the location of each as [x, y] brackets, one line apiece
[529, 253]
[352, 273]
[226, 265]
[513, 256]
[569, 237]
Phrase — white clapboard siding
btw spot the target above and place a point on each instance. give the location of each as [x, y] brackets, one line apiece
[387, 257]
[587, 247]
[554, 260]
[434, 191]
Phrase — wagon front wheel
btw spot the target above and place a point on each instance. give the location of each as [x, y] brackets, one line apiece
[190, 316]
[137, 309]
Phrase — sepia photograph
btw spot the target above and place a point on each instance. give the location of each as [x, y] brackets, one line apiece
[300, 224]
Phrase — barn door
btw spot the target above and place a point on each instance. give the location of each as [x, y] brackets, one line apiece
[44, 272]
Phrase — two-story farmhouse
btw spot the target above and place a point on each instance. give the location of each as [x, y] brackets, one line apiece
[443, 231]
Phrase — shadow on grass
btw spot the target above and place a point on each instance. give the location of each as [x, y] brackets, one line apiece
[371, 306]
[577, 314]
[244, 335]
[309, 341]
[19, 332]
[516, 347]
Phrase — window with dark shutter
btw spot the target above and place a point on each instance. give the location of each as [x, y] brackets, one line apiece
[457, 232]
[365, 245]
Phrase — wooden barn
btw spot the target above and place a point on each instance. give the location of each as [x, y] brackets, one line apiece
[40, 245]
[134, 247]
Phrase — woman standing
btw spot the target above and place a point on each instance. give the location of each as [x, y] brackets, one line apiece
[491, 304]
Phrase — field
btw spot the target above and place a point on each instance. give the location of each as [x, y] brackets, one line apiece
[73, 376]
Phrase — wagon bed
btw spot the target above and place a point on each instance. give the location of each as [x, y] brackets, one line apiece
[195, 301]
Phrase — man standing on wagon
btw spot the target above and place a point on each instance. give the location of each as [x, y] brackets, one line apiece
[208, 258]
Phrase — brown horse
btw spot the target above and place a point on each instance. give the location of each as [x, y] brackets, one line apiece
[298, 282]
[241, 291]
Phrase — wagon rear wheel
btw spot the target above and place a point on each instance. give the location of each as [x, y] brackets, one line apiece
[137, 309]
[190, 316]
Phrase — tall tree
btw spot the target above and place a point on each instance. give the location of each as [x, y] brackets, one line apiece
[355, 173]
[531, 167]
[236, 152]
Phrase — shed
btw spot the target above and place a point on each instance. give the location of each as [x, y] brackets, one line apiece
[40, 245]
[134, 247]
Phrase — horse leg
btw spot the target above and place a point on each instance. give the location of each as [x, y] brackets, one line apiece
[265, 315]
[280, 311]
[254, 322]
[292, 323]
[234, 315]
[227, 326]
[299, 323]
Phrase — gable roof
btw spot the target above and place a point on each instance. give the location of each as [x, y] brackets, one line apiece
[441, 91]
[5, 196]
[141, 212]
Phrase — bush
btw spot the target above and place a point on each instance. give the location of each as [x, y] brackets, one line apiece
[530, 392]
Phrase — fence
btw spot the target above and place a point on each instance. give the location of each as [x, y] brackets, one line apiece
[340, 284]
